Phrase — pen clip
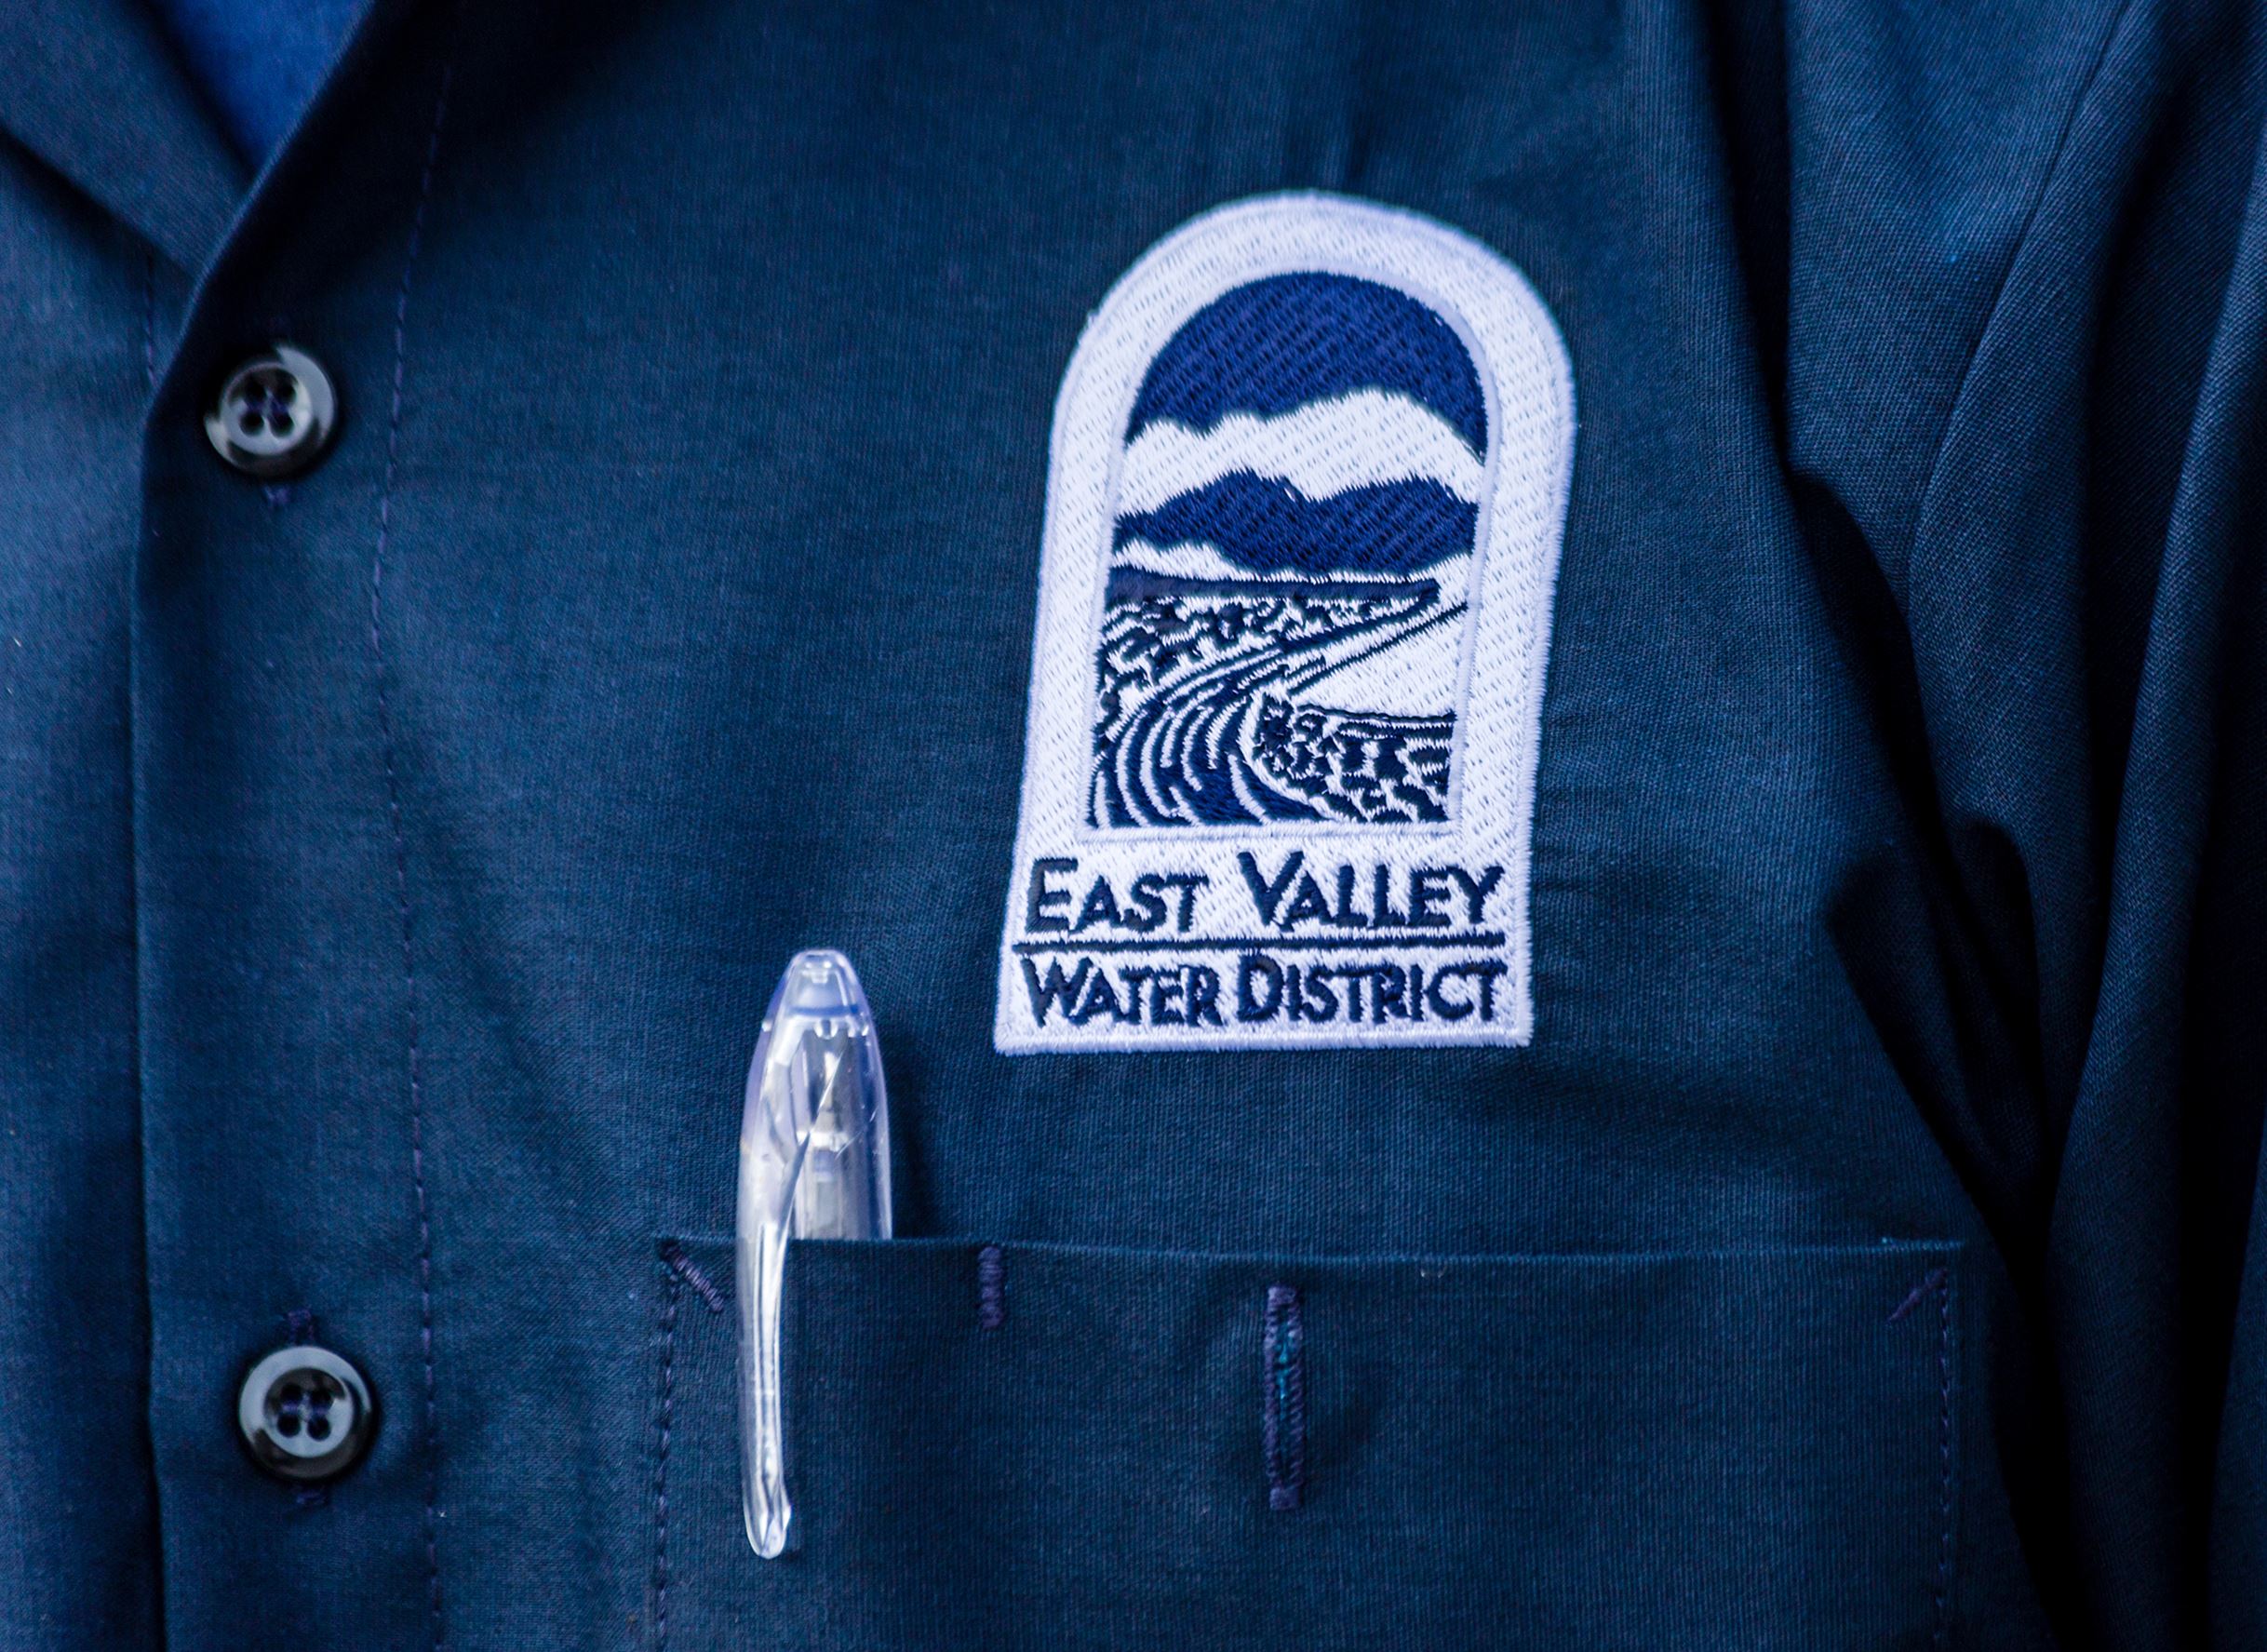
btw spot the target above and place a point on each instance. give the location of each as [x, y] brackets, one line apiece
[815, 1163]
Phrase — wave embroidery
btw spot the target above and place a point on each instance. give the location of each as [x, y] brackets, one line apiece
[1293, 545]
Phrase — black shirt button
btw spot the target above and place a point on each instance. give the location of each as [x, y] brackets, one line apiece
[273, 417]
[305, 1413]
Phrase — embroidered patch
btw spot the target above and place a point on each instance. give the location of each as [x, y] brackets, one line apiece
[1307, 484]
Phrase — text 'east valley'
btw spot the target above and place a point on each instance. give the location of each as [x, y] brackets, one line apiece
[1290, 943]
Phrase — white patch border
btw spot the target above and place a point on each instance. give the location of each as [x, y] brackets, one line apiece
[1504, 324]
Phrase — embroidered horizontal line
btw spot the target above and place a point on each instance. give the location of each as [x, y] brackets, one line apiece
[1369, 939]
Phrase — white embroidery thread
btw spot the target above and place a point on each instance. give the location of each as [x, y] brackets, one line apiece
[1308, 486]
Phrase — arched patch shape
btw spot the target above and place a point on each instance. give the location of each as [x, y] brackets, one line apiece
[1308, 487]
[1281, 340]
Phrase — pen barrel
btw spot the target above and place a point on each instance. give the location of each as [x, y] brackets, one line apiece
[815, 1163]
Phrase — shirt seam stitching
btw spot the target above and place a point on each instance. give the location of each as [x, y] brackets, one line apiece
[2015, 257]
[405, 912]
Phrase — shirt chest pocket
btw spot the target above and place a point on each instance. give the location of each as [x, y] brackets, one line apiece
[1068, 1447]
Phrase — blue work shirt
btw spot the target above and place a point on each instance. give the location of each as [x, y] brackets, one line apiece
[1843, 1238]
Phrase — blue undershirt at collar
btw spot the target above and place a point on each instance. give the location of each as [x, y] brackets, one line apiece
[258, 61]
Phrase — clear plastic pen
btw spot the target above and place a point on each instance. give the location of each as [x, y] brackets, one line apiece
[815, 1163]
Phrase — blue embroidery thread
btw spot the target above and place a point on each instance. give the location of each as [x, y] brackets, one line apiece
[1310, 477]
